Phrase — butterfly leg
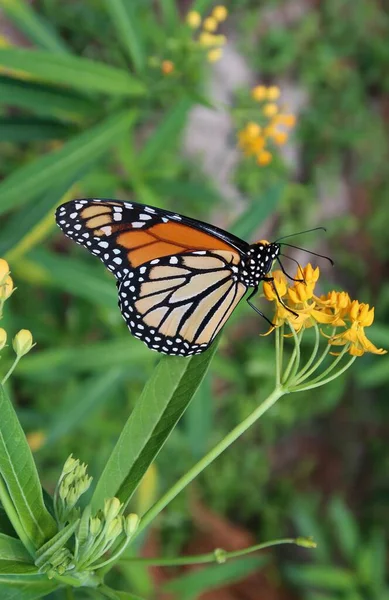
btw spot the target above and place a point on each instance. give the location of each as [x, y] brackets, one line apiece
[271, 280]
[253, 293]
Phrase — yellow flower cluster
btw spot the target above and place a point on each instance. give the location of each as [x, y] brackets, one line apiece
[298, 306]
[255, 137]
[208, 38]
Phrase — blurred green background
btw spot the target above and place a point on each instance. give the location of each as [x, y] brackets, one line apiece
[126, 126]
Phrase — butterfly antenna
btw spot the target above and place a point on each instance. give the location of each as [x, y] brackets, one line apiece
[284, 237]
[310, 252]
[287, 274]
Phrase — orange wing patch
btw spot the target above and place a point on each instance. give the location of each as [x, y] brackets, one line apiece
[167, 239]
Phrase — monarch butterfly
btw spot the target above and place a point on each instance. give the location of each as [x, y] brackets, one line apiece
[178, 279]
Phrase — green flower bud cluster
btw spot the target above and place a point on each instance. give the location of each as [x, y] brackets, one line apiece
[72, 483]
[96, 535]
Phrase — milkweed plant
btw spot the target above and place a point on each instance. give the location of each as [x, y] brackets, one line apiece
[58, 544]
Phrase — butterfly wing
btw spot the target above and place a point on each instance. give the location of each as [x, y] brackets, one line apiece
[177, 277]
[178, 304]
[125, 235]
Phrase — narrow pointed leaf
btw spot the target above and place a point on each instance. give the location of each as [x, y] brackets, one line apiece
[73, 71]
[23, 586]
[43, 99]
[129, 31]
[34, 26]
[19, 472]
[26, 129]
[30, 180]
[162, 402]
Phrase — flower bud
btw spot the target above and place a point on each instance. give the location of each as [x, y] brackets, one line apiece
[6, 288]
[114, 529]
[22, 342]
[4, 270]
[112, 508]
[94, 526]
[131, 524]
[3, 338]
[220, 13]
[70, 464]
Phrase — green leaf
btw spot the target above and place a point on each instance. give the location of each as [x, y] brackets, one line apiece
[44, 100]
[170, 14]
[22, 225]
[162, 402]
[328, 577]
[345, 528]
[34, 26]
[57, 542]
[197, 582]
[59, 364]
[129, 30]
[201, 6]
[165, 134]
[84, 279]
[30, 180]
[12, 549]
[83, 402]
[73, 71]
[198, 419]
[26, 129]
[19, 472]
[25, 587]
[260, 209]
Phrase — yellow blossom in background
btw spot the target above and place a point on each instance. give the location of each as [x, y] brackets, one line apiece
[220, 13]
[6, 288]
[270, 126]
[264, 158]
[36, 440]
[214, 55]
[273, 92]
[271, 109]
[259, 93]
[167, 67]
[4, 270]
[210, 24]
[193, 19]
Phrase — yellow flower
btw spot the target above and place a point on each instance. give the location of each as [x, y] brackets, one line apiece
[207, 39]
[22, 342]
[259, 93]
[287, 120]
[193, 19]
[167, 67]
[3, 338]
[279, 283]
[214, 55]
[280, 137]
[210, 24]
[273, 92]
[270, 109]
[253, 129]
[220, 13]
[264, 158]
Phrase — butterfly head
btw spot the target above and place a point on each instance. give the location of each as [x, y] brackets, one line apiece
[262, 254]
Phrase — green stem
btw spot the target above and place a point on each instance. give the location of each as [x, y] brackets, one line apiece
[294, 357]
[13, 516]
[324, 381]
[12, 368]
[329, 369]
[279, 348]
[313, 354]
[113, 557]
[207, 558]
[298, 379]
[208, 458]
[297, 340]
